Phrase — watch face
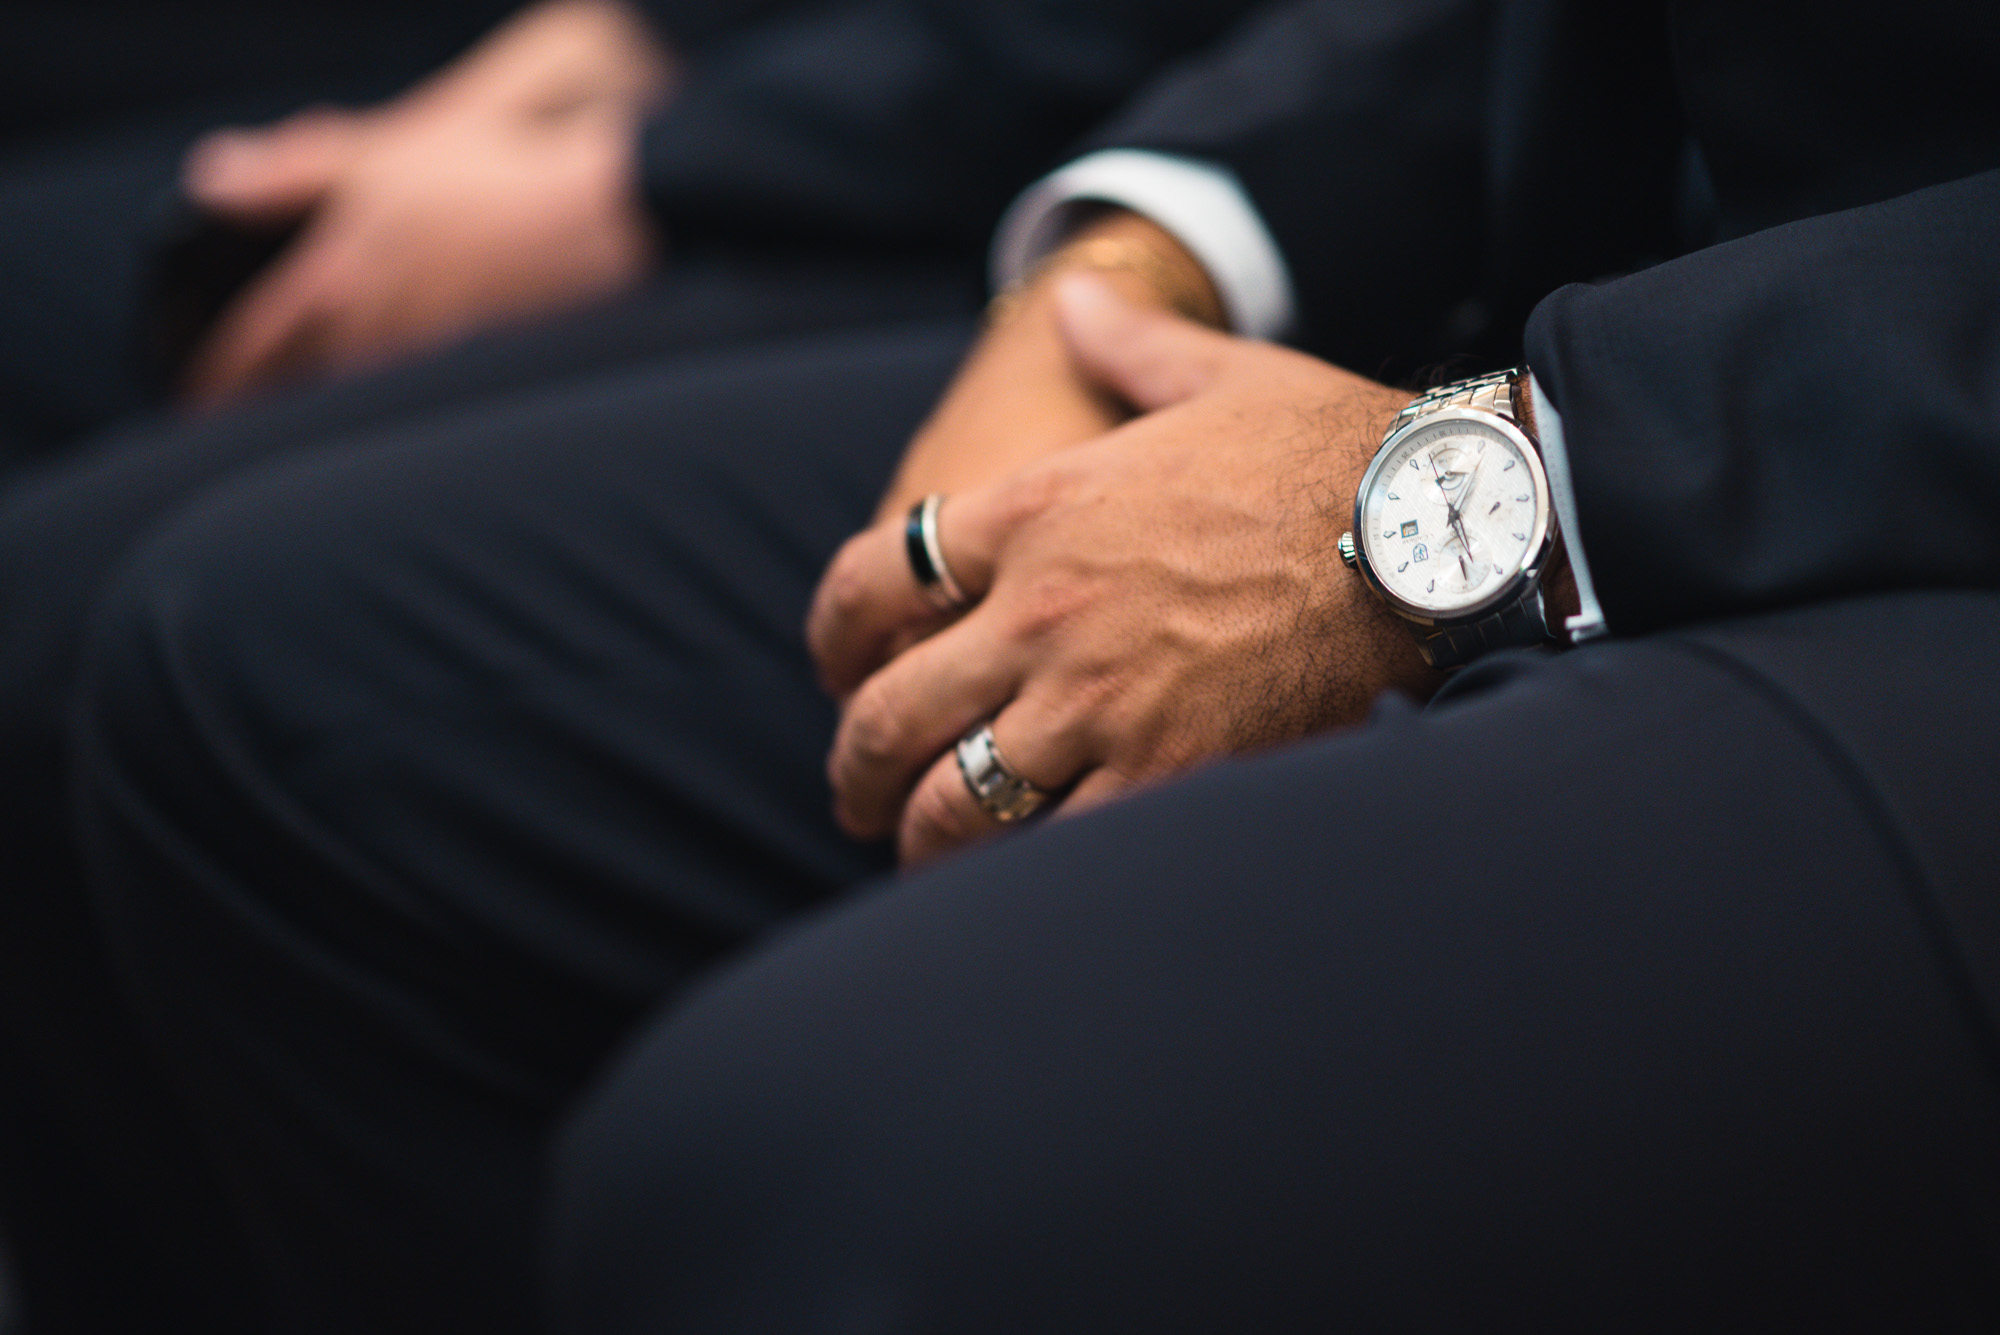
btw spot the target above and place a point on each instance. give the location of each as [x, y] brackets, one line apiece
[1451, 513]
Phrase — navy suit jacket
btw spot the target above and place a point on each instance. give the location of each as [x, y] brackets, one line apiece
[901, 125]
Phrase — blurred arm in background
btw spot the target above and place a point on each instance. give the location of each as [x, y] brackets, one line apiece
[549, 165]
[499, 187]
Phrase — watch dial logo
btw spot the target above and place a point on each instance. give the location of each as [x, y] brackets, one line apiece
[1420, 553]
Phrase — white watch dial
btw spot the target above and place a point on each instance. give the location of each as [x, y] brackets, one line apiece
[1450, 515]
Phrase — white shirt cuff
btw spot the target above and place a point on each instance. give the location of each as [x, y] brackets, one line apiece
[1203, 205]
[1588, 623]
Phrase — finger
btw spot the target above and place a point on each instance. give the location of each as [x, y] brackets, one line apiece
[942, 814]
[265, 333]
[867, 602]
[904, 716]
[273, 173]
[869, 605]
[1146, 356]
[1093, 790]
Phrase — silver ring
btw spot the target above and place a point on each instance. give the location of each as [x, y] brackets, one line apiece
[1005, 795]
[920, 543]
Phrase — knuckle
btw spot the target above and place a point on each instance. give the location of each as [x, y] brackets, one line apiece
[1094, 700]
[1030, 494]
[874, 730]
[1047, 605]
[837, 605]
[844, 591]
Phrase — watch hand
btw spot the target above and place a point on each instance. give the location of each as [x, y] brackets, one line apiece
[1455, 513]
[1464, 541]
[1450, 510]
[1471, 481]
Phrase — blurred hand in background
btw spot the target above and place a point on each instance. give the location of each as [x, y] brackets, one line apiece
[502, 187]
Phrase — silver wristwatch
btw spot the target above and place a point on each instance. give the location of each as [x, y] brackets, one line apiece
[1453, 525]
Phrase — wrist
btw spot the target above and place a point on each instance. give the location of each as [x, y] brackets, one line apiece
[1139, 257]
[1472, 563]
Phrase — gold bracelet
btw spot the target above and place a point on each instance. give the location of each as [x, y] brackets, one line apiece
[1109, 254]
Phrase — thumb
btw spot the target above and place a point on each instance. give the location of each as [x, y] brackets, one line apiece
[1148, 357]
[274, 173]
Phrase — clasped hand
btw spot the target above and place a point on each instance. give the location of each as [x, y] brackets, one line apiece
[1166, 593]
[503, 186]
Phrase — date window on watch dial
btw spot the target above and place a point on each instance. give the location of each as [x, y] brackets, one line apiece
[1409, 528]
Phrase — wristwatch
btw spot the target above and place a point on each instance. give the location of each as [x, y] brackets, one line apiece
[1453, 526]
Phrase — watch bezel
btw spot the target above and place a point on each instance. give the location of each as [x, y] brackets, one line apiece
[1541, 542]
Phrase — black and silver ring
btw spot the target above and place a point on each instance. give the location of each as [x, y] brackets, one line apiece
[1006, 796]
[920, 541]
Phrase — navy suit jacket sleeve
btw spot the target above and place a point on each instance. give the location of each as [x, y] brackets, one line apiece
[1342, 119]
[1429, 168]
[900, 123]
[1809, 408]
[1807, 412]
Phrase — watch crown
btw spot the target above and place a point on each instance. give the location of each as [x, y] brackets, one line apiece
[1347, 549]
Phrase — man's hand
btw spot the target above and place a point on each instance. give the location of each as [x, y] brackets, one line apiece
[1166, 594]
[502, 187]
[1020, 394]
